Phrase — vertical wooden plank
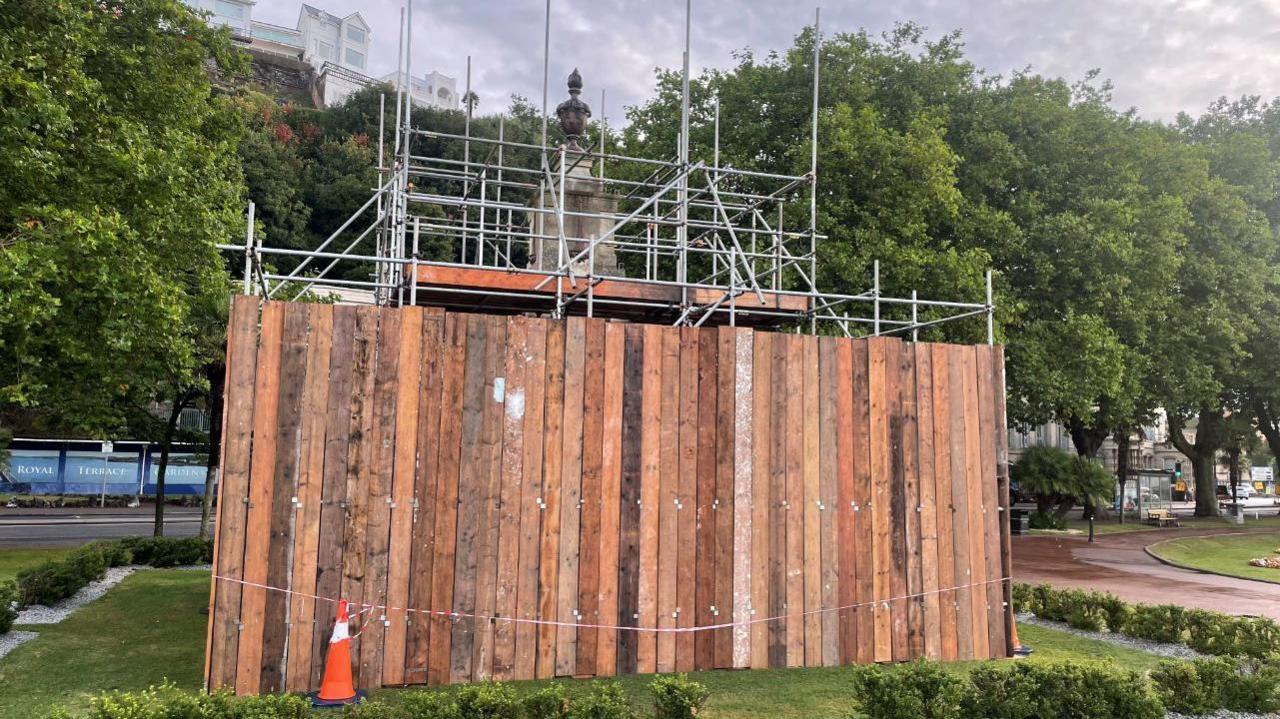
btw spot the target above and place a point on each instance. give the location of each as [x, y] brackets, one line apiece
[426, 484]
[878, 369]
[864, 524]
[668, 499]
[592, 468]
[897, 375]
[928, 502]
[725, 410]
[761, 476]
[509, 510]
[531, 500]
[570, 496]
[490, 464]
[404, 464]
[911, 471]
[306, 533]
[233, 490]
[947, 598]
[973, 477]
[610, 493]
[453, 376]
[848, 512]
[378, 482]
[743, 470]
[705, 481]
[963, 573]
[552, 443]
[261, 485]
[992, 508]
[1002, 477]
[813, 560]
[778, 595]
[795, 500]
[629, 498]
[651, 423]
[360, 458]
[687, 496]
[828, 503]
[471, 485]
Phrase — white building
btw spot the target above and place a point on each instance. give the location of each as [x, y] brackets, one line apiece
[431, 90]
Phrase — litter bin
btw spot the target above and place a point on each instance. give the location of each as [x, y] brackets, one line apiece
[1019, 521]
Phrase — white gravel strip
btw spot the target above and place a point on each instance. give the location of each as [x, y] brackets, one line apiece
[37, 614]
[13, 639]
[1222, 714]
[1174, 651]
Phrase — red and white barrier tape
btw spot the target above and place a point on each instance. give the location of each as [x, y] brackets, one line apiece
[608, 627]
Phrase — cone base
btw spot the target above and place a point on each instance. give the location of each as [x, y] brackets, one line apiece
[316, 701]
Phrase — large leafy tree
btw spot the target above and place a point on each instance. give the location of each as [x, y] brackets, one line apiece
[119, 177]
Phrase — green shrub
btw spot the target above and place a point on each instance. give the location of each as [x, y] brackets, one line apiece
[114, 552]
[1207, 684]
[1182, 689]
[919, 690]
[50, 582]
[373, 710]
[604, 700]
[549, 702]
[1063, 690]
[487, 701]
[168, 702]
[1087, 616]
[429, 705]
[1159, 623]
[1025, 599]
[677, 697]
[1046, 520]
[1255, 690]
[169, 551]
[8, 606]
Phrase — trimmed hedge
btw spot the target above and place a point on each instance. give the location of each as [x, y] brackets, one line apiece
[8, 606]
[1063, 690]
[1205, 631]
[57, 579]
[1204, 686]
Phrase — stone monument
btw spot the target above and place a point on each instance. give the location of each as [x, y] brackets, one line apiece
[583, 193]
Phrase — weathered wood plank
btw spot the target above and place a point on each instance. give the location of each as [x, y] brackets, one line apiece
[611, 494]
[426, 484]
[490, 493]
[233, 491]
[453, 373]
[864, 504]
[1002, 477]
[977, 529]
[963, 573]
[360, 458]
[992, 507]
[552, 453]
[472, 481]
[947, 598]
[794, 502]
[761, 495]
[592, 467]
[828, 503]
[812, 514]
[668, 499]
[779, 625]
[527, 597]
[306, 529]
[404, 464]
[907, 388]
[897, 376]
[687, 496]
[705, 482]
[571, 496]
[629, 497]
[651, 424]
[509, 511]
[849, 513]
[928, 502]
[726, 378]
[743, 473]
[261, 487]
[878, 368]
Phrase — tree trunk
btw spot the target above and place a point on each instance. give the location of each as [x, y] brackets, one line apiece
[1123, 439]
[217, 382]
[171, 427]
[1202, 455]
[1086, 440]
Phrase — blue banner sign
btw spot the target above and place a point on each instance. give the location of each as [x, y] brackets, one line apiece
[78, 467]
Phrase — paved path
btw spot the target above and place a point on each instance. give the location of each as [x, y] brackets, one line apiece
[1116, 563]
[32, 528]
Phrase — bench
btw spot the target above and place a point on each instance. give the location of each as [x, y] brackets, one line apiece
[1161, 518]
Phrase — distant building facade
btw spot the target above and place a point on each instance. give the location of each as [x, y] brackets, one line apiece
[336, 49]
[431, 90]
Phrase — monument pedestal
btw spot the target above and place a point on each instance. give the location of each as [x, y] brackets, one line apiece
[583, 193]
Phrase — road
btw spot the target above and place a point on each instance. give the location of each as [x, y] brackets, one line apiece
[1117, 563]
[34, 528]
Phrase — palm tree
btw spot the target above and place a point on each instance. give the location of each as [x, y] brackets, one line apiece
[470, 99]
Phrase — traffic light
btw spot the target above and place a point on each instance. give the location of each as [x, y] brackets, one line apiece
[1177, 469]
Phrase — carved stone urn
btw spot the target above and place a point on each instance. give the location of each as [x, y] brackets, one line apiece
[573, 113]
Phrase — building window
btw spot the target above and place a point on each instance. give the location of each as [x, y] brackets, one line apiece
[443, 95]
[324, 49]
[232, 10]
[355, 34]
[355, 59]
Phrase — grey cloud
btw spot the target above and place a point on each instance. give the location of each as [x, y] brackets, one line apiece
[1164, 56]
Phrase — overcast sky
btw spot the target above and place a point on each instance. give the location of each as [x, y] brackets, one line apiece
[1164, 56]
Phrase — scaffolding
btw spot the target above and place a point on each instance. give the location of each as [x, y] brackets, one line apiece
[692, 240]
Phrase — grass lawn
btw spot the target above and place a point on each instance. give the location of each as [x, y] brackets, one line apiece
[14, 560]
[1228, 554]
[1132, 524]
[149, 628]
[146, 629]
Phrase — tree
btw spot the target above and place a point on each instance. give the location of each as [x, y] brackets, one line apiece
[1060, 480]
[120, 177]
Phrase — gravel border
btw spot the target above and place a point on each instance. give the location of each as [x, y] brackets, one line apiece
[38, 614]
[13, 639]
[1174, 651]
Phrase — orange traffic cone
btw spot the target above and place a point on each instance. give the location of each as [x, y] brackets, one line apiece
[336, 688]
[1019, 649]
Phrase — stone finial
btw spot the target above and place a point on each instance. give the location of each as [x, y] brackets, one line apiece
[573, 113]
